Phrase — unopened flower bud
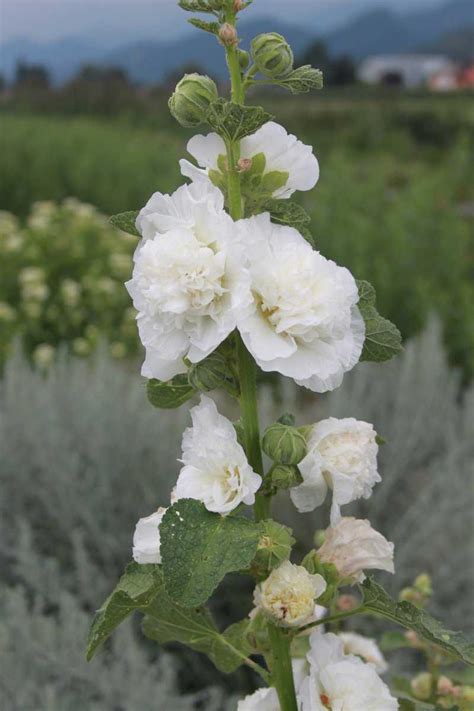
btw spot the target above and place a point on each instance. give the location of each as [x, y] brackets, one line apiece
[284, 476]
[228, 35]
[346, 603]
[284, 444]
[272, 54]
[212, 373]
[237, 5]
[244, 59]
[288, 595]
[421, 686]
[244, 164]
[423, 585]
[411, 595]
[274, 547]
[444, 686]
[412, 638]
[191, 99]
[464, 693]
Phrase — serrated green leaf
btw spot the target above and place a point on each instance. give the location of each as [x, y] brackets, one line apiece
[382, 337]
[166, 621]
[212, 27]
[135, 590]
[233, 122]
[125, 221]
[170, 394]
[211, 6]
[286, 212]
[199, 548]
[302, 80]
[408, 615]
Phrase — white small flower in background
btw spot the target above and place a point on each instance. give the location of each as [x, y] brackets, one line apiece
[283, 153]
[260, 700]
[288, 594]
[342, 457]
[216, 470]
[305, 323]
[341, 682]
[146, 539]
[190, 283]
[354, 546]
[365, 648]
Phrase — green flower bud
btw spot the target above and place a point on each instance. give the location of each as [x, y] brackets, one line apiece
[274, 547]
[422, 685]
[284, 444]
[423, 585]
[191, 99]
[244, 59]
[212, 373]
[284, 476]
[272, 54]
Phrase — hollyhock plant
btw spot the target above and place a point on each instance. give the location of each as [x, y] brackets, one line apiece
[281, 157]
[216, 470]
[305, 323]
[342, 457]
[227, 281]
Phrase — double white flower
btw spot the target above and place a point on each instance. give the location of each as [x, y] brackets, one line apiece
[339, 681]
[342, 457]
[216, 470]
[190, 281]
[282, 151]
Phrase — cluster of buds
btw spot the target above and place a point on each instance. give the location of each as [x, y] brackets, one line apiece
[191, 99]
[420, 592]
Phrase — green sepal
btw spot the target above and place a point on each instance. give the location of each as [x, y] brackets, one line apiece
[272, 181]
[274, 546]
[135, 591]
[212, 373]
[199, 548]
[328, 571]
[233, 122]
[125, 221]
[258, 165]
[382, 337]
[302, 80]
[284, 444]
[455, 644]
[212, 27]
[218, 179]
[284, 476]
[170, 394]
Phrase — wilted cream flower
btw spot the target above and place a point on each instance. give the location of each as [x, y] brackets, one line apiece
[288, 594]
[342, 457]
[146, 539]
[365, 648]
[341, 682]
[354, 546]
[304, 323]
[216, 470]
[283, 153]
[190, 281]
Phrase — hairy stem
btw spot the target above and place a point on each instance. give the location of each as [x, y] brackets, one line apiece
[282, 673]
[333, 618]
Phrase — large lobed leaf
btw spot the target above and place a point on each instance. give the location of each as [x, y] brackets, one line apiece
[233, 122]
[170, 394]
[199, 548]
[382, 337]
[408, 615]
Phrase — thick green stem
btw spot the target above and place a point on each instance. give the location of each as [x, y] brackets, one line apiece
[282, 673]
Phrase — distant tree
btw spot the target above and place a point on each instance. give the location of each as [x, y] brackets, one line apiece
[3, 83]
[97, 88]
[317, 55]
[342, 71]
[337, 71]
[31, 76]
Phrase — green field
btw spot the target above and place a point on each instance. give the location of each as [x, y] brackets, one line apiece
[393, 202]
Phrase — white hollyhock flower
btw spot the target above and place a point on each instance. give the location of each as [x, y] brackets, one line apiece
[146, 539]
[216, 470]
[283, 153]
[365, 648]
[305, 323]
[354, 546]
[340, 682]
[260, 700]
[190, 284]
[342, 456]
[288, 594]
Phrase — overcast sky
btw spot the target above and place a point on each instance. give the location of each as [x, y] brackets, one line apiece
[49, 19]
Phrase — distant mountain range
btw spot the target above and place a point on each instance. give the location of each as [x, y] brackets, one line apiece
[375, 31]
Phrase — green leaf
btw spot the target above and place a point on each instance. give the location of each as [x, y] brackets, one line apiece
[382, 337]
[274, 180]
[199, 548]
[135, 590]
[211, 6]
[212, 27]
[286, 212]
[302, 80]
[125, 221]
[233, 122]
[166, 621]
[170, 394]
[408, 615]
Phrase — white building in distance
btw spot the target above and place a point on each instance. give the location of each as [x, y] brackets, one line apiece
[408, 70]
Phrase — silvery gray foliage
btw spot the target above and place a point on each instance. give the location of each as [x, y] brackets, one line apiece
[43, 666]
